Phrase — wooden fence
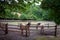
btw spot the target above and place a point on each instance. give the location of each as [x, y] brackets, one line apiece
[36, 25]
[4, 27]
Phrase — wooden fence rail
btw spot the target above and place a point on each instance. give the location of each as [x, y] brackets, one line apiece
[36, 25]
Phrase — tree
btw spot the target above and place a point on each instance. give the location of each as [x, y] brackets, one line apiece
[15, 6]
[54, 7]
[23, 17]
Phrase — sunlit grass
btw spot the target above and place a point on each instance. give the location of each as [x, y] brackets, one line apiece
[48, 38]
[16, 23]
[32, 22]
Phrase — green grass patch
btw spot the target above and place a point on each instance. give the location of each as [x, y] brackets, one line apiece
[48, 38]
[16, 23]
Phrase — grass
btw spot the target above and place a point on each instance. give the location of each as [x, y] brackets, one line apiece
[48, 38]
[16, 23]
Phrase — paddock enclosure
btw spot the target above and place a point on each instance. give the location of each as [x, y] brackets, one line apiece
[24, 29]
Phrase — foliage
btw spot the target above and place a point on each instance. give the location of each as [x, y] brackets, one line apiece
[54, 7]
[27, 10]
[23, 16]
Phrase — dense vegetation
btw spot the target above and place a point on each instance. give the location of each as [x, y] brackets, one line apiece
[54, 7]
[29, 9]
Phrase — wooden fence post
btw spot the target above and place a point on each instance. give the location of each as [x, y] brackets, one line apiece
[6, 28]
[21, 28]
[27, 29]
[26, 33]
[48, 25]
[55, 34]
